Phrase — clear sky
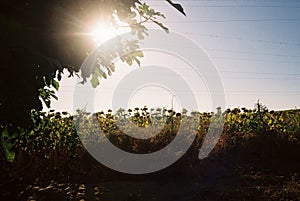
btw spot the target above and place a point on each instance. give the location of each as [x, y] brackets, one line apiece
[255, 46]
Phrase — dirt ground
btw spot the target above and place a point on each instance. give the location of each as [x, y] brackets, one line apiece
[258, 170]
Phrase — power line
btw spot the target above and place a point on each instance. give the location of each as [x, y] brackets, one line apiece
[206, 91]
[256, 60]
[283, 76]
[231, 6]
[229, 1]
[179, 1]
[227, 93]
[240, 52]
[253, 53]
[290, 77]
[236, 20]
[244, 39]
[236, 58]
[261, 78]
[259, 73]
[245, 52]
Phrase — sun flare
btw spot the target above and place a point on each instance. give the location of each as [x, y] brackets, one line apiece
[101, 32]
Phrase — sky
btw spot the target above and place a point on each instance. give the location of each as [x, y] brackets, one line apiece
[254, 45]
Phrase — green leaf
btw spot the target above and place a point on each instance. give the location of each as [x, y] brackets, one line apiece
[102, 73]
[55, 84]
[140, 35]
[138, 62]
[112, 67]
[7, 145]
[138, 53]
[59, 76]
[95, 81]
[129, 61]
[166, 29]
[53, 96]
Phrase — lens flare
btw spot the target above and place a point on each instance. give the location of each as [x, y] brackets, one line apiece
[102, 32]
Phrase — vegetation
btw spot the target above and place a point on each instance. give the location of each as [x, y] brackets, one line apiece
[41, 39]
[54, 134]
[253, 141]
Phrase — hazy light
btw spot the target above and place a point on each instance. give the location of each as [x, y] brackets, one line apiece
[103, 31]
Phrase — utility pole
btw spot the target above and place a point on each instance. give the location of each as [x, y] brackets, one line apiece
[172, 119]
[172, 101]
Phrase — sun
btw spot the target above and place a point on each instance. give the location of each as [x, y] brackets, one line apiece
[102, 31]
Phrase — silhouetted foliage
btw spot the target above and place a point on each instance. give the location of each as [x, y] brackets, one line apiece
[39, 39]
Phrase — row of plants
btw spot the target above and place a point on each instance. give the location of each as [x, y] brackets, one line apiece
[59, 137]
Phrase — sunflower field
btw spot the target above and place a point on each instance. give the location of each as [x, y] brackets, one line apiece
[54, 141]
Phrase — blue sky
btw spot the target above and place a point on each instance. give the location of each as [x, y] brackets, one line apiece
[255, 46]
